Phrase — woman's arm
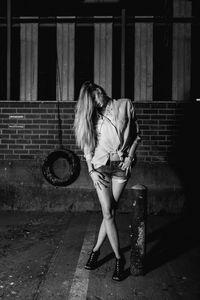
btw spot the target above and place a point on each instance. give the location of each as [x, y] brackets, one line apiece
[126, 164]
[89, 165]
[133, 147]
[88, 154]
[97, 178]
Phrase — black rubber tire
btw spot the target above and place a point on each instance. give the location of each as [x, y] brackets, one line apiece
[74, 167]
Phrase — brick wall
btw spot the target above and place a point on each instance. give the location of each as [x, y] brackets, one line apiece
[30, 129]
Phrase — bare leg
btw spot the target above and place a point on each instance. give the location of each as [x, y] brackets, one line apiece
[108, 225]
[117, 189]
[102, 231]
[101, 235]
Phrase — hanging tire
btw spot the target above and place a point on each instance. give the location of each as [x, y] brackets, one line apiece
[61, 167]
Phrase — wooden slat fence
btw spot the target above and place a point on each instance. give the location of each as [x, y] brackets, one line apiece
[28, 61]
[65, 61]
[181, 59]
[103, 55]
[143, 79]
[103, 60]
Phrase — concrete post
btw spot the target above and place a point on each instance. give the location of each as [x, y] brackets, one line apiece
[138, 230]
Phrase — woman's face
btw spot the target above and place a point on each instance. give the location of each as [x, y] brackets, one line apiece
[99, 98]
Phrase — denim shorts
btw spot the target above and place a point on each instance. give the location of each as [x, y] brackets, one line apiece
[112, 170]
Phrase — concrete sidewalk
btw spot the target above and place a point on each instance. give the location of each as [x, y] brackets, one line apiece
[23, 187]
[43, 254]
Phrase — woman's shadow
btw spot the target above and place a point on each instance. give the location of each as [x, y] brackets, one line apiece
[182, 234]
[171, 241]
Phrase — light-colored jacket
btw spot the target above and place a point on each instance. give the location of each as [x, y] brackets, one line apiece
[126, 123]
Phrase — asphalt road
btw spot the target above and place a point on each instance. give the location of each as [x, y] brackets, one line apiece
[42, 257]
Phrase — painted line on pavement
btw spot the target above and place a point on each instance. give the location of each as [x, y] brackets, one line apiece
[80, 281]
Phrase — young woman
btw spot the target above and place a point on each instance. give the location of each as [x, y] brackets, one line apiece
[107, 131]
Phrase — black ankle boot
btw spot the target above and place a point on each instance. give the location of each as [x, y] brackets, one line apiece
[92, 260]
[119, 266]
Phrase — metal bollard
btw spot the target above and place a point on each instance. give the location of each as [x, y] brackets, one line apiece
[138, 230]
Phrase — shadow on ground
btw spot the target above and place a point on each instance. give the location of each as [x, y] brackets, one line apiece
[171, 241]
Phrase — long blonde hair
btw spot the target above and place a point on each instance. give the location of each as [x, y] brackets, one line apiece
[85, 115]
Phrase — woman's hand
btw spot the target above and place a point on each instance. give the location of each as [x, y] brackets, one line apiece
[126, 164]
[99, 180]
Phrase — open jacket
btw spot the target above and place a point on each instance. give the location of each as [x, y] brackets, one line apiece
[126, 123]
